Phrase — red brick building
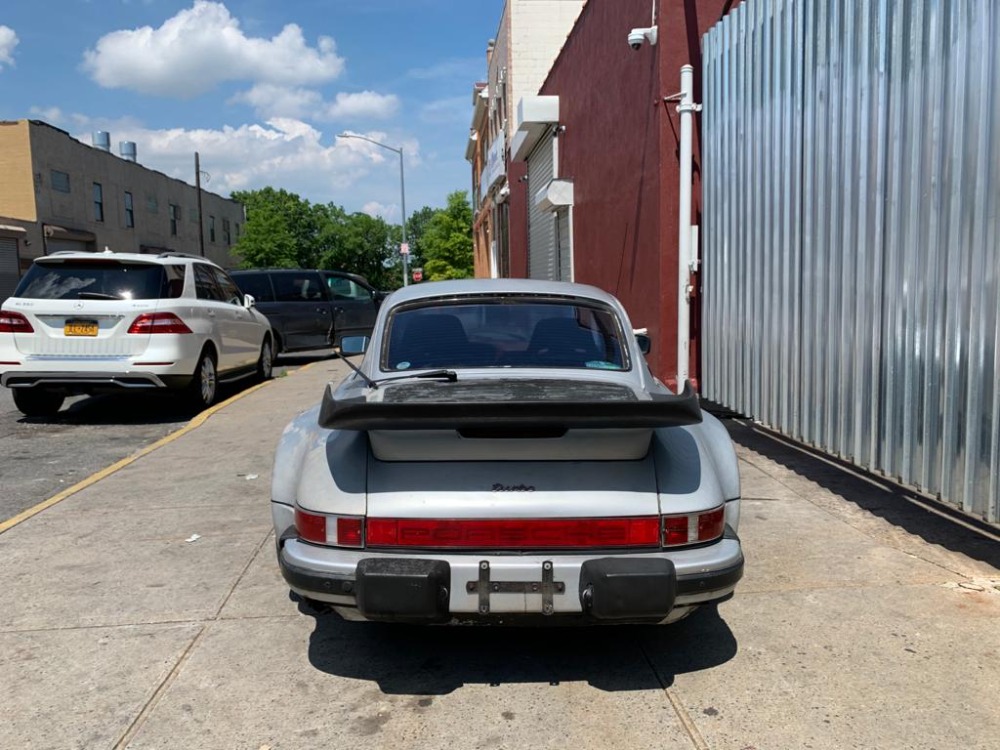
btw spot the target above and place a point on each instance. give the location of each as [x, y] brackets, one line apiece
[611, 178]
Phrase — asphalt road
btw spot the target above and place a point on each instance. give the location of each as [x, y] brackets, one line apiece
[40, 457]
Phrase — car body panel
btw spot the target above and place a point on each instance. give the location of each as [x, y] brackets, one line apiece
[114, 358]
[312, 309]
[355, 304]
[517, 455]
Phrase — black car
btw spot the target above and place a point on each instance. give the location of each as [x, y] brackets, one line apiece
[311, 309]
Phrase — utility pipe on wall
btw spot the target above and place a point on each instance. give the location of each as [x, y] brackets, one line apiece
[685, 256]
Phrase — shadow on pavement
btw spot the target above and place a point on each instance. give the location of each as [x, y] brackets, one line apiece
[297, 359]
[437, 660]
[944, 526]
[155, 406]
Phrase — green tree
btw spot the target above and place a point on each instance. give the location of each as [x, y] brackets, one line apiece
[360, 244]
[416, 225]
[446, 241]
[281, 230]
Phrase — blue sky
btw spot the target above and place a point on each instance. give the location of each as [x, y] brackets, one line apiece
[261, 88]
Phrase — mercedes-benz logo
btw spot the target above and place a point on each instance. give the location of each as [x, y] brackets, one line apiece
[77, 305]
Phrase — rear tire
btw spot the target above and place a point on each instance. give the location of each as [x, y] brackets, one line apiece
[204, 385]
[35, 402]
[265, 363]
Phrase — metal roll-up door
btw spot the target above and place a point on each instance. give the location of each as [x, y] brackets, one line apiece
[565, 245]
[10, 272]
[543, 255]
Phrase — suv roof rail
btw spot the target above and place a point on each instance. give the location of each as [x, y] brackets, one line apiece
[175, 254]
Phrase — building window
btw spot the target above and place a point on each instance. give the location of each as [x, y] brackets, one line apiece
[237, 231]
[98, 202]
[129, 211]
[60, 181]
[175, 216]
[226, 235]
[211, 229]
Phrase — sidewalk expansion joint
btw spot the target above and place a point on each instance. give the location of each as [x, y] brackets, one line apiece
[682, 715]
[160, 691]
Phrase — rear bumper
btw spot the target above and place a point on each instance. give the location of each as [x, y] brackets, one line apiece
[90, 381]
[652, 587]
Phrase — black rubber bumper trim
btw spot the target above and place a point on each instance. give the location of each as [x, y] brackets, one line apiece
[697, 583]
[307, 580]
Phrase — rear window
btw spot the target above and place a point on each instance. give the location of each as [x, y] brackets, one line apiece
[101, 279]
[511, 332]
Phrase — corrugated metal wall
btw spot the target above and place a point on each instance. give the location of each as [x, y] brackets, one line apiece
[851, 239]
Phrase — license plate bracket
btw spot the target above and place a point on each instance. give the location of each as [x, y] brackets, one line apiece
[548, 587]
[78, 327]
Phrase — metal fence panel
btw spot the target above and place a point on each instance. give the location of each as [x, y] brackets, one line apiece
[851, 247]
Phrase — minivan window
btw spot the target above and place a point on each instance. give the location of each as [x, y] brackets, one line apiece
[258, 285]
[94, 279]
[344, 288]
[295, 287]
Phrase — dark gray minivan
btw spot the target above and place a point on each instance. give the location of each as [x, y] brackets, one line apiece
[311, 309]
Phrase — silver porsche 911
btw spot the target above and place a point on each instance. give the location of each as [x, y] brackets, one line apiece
[501, 454]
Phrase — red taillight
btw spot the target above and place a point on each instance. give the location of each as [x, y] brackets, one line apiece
[692, 528]
[336, 531]
[711, 524]
[675, 530]
[158, 323]
[514, 533]
[349, 531]
[13, 322]
[311, 526]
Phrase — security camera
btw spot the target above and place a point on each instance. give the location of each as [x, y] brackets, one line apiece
[637, 36]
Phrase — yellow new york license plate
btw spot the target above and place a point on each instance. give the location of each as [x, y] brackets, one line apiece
[80, 328]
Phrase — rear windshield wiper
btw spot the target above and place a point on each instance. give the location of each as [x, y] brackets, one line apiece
[449, 375]
[97, 295]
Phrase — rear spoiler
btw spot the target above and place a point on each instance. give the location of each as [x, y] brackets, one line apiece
[508, 405]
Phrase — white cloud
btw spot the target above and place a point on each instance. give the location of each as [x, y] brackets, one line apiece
[51, 115]
[203, 46]
[269, 100]
[284, 153]
[376, 210]
[364, 104]
[8, 41]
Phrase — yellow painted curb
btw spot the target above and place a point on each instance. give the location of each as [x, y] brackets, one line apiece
[196, 422]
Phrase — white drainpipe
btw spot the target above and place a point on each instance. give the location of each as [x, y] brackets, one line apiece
[685, 255]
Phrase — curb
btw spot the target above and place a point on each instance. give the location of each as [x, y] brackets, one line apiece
[195, 422]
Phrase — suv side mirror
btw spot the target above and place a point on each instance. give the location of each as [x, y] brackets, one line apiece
[351, 345]
[645, 343]
[249, 301]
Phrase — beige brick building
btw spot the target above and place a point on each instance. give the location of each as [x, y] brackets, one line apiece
[57, 193]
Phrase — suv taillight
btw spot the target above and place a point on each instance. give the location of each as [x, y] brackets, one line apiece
[692, 528]
[158, 323]
[13, 322]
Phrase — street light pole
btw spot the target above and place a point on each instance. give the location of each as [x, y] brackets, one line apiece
[402, 195]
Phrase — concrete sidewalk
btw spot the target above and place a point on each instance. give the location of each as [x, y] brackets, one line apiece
[863, 621]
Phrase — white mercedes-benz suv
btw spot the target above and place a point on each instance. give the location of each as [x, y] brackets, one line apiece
[82, 323]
